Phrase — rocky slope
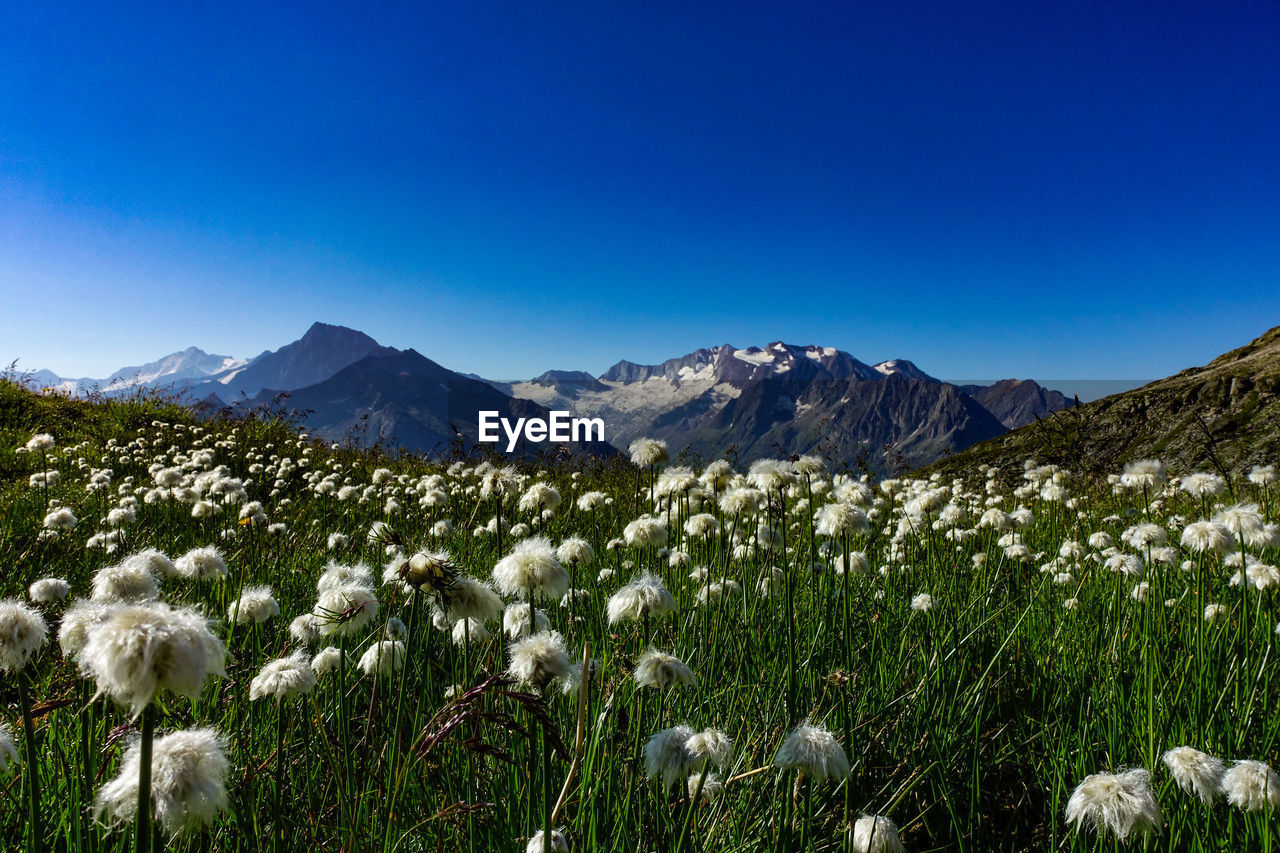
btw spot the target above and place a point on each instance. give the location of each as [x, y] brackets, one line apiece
[1224, 416]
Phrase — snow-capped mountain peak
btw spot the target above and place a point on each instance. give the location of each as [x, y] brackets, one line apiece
[902, 367]
[191, 363]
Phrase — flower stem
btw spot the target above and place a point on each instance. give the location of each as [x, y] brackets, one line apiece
[279, 844]
[33, 783]
[142, 843]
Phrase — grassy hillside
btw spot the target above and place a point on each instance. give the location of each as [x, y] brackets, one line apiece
[1224, 416]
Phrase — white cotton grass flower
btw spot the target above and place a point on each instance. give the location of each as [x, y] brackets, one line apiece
[667, 756]
[771, 475]
[39, 442]
[531, 567]
[1262, 475]
[469, 598]
[1258, 576]
[575, 551]
[384, 657]
[838, 519]
[539, 497]
[22, 632]
[661, 670]
[922, 603]
[255, 605]
[1143, 474]
[1251, 786]
[644, 596]
[853, 562]
[44, 478]
[515, 621]
[60, 518]
[188, 782]
[1200, 484]
[717, 590]
[647, 452]
[813, 750]
[422, 568]
[538, 844]
[201, 564]
[874, 834]
[1145, 535]
[335, 575]
[124, 582]
[153, 561]
[1197, 773]
[1244, 521]
[327, 661]
[76, 620]
[700, 525]
[48, 590]
[470, 630]
[996, 519]
[771, 583]
[571, 684]
[711, 746]
[536, 660]
[135, 650]
[307, 628]
[711, 784]
[645, 532]
[1119, 803]
[1213, 612]
[9, 755]
[1125, 564]
[395, 629]
[1208, 537]
[346, 610]
[284, 678]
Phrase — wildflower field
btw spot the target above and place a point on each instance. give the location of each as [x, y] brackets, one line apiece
[234, 637]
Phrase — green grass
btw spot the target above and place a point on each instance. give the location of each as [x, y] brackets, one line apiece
[968, 725]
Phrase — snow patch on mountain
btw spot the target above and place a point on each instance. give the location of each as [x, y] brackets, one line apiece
[753, 356]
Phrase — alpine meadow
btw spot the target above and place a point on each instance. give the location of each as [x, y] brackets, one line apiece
[220, 633]
[665, 427]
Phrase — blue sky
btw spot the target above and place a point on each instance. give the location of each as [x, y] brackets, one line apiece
[990, 189]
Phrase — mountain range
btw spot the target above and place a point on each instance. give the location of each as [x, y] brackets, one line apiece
[750, 403]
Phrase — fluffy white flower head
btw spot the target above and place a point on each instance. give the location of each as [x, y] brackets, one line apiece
[188, 782]
[1120, 803]
[875, 834]
[813, 750]
[284, 678]
[531, 566]
[667, 756]
[643, 596]
[1196, 772]
[660, 670]
[1252, 786]
[48, 590]
[201, 564]
[255, 605]
[537, 659]
[135, 650]
[22, 633]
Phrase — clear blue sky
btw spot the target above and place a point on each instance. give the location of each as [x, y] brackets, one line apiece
[1086, 189]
